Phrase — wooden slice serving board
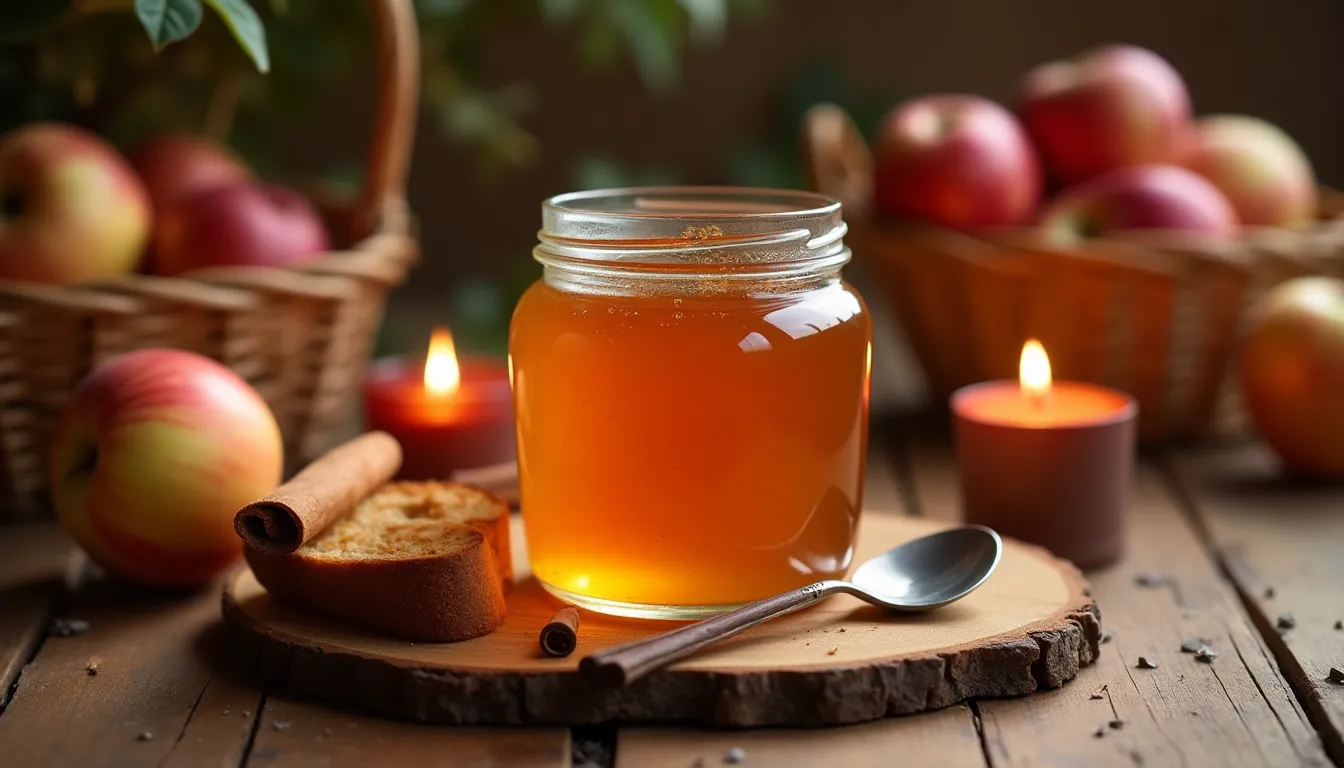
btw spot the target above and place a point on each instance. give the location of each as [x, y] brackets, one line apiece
[1032, 625]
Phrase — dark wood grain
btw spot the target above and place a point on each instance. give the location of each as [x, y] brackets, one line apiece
[295, 734]
[34, 560]
[159, 692]
[945, 738]
[1237, 711]
[159, 669]
[218, 732]
[1282, 541]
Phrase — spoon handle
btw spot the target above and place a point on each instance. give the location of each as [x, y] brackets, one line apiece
[621, 664]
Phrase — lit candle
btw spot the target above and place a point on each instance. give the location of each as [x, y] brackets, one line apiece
[1033, 372]
[448, 413]
[1049, 462]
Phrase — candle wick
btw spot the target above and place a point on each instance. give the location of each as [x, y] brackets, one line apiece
[1037, 399]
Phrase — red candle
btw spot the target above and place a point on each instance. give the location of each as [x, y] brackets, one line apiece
[448, 414]
[1050, 462]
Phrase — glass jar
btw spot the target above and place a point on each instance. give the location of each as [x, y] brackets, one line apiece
[691, 383]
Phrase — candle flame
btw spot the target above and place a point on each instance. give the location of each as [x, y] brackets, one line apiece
[442, 374]
[1034, 371]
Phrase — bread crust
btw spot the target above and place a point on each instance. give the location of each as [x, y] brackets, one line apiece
[434, 599]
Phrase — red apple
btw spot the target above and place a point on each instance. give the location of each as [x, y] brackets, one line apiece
[238, 225]
[958, 161]
[1291, 371]
[1111, 107]
[71, 207]
[175, 166]
[154, 453]
[1262, 171]
[1141, 197]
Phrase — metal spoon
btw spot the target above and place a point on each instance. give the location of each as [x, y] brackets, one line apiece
[921, 574]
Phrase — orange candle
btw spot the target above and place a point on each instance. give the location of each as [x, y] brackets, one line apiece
[448, 413]
[1050, 462]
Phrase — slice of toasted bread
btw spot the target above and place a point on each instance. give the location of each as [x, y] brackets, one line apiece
[422, 561]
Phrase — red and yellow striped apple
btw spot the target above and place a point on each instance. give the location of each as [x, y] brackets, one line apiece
[154, 453]
[175, 166]
[71, 207]
[243, 224]
[1141, 197]
[955, 160]
[1291, 371]
[1264, 173]
[1110, 107]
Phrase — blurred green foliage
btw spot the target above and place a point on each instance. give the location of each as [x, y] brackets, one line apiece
[774, 159]
[245, 71]
[240, 70]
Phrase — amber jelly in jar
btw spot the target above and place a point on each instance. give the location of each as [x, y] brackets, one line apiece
[690, 378]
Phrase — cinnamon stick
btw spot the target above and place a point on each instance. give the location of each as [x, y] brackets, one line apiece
[321, 492]
[561, 634]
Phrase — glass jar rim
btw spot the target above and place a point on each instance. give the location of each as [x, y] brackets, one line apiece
[734, 202]
[722, 225]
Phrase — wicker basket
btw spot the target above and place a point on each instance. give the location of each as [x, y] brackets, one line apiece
[301, 336]
[1156, 314]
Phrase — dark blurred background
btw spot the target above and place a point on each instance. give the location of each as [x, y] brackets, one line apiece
[529, 98]
[730, 114]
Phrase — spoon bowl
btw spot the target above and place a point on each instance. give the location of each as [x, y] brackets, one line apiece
[919, 575]
[929, 572]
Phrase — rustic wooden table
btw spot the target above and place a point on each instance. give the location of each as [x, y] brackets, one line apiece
[1244, 554]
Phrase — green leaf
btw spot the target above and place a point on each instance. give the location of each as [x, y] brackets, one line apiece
[709, 18]
[168, 21]
[655, 55]
[243, 21]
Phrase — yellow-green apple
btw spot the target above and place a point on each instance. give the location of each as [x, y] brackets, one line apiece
[1113, 106]
[1291, 370]
[955, 160]
[1139, 197]
[174, 166]
[1262, 171]
[154, 453]
[248, 224]
[71, 207]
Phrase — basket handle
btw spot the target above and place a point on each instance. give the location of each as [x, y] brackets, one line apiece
[836, 160]
[386, 167]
